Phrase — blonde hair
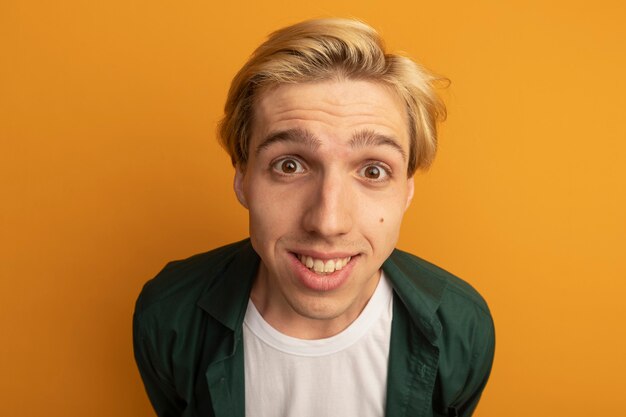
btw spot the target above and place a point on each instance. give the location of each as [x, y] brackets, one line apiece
[321, 49]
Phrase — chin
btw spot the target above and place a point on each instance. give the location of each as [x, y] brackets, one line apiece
[317, 309]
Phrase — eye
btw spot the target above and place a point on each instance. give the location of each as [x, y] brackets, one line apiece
[288, 166]
[375, 172]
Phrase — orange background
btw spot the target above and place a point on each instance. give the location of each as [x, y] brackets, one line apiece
[109, 168]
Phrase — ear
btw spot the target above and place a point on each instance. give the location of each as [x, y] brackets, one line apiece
[409, 196]
[238, 186]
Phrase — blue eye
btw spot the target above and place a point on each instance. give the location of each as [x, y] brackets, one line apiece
[288, 166]
[374, 172]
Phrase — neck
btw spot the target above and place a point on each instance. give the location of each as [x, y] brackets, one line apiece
[300, 314]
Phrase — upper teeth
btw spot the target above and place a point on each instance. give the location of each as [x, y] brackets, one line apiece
[321, 266]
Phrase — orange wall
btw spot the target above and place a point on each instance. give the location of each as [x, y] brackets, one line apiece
[109, 168]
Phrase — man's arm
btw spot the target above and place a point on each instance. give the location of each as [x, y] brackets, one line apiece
[482, 359]
[161, 391]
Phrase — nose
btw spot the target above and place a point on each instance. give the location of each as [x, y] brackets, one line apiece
[330, 207]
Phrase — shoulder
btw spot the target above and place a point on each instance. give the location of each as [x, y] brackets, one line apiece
[181, 283]
[444, 306]
[442, 288]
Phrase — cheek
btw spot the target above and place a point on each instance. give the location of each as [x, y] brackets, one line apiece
[272, 211]
[381, 218]
[266, 226]
[390, 220]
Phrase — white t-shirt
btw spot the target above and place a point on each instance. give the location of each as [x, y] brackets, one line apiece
[344, 375]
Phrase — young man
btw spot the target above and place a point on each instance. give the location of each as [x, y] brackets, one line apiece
[317, 314]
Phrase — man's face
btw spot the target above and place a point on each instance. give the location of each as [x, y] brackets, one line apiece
[326, 187]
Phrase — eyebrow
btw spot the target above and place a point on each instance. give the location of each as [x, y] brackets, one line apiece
[366, 138]
[301, 136]
[361, 139]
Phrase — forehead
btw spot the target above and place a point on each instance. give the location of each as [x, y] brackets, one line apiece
[333, 110]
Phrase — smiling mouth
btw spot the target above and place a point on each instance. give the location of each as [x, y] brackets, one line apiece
[322, 267]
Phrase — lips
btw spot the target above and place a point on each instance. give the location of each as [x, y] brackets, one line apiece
[321, 266]
[322, 273]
